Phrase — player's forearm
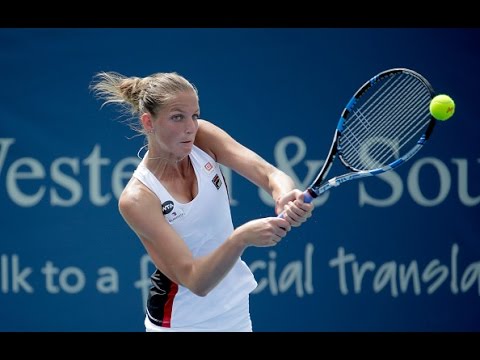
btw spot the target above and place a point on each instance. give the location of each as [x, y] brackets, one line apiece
[209, 270]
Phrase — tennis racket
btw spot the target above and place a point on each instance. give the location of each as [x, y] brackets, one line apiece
[384, 124]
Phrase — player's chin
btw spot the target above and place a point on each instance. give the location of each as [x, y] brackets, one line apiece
[184, 150]
[186, 146]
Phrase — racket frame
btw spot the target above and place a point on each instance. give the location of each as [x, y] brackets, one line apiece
[317, 187]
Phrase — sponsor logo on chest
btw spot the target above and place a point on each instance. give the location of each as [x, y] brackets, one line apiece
[217, 181]
[171, 213]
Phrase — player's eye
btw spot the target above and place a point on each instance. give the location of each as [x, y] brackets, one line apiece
[177, 117]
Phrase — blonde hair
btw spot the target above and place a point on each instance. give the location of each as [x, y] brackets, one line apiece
[137, 95]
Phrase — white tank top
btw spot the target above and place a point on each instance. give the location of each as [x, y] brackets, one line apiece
[203, 223]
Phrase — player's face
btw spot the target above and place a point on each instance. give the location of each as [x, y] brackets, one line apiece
[177, 125]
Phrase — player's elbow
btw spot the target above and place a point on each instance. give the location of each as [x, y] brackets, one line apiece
[201, 293]
[198, 285]
[200, 290]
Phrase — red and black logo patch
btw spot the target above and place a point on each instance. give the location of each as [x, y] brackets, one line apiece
[217, 181]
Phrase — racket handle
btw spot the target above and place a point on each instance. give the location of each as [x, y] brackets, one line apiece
[307, 197]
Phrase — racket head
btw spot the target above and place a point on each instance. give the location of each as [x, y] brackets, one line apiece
[383, 125]
[386, 122]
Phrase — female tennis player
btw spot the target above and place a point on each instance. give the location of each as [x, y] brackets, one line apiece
[177, 203]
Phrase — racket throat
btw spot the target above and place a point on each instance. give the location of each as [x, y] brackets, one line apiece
[312, 193]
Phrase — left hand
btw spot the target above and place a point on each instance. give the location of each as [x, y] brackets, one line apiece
[294, 209]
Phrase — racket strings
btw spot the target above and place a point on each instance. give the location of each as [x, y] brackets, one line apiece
[388, 108]
[407, 112]
[384, 120]
[386, 140]
[378, 107]
[376, 149]
[383, 110]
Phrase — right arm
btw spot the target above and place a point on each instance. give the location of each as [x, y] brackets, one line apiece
[142, 211]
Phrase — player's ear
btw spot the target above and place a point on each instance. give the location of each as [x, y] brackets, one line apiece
[147, 122]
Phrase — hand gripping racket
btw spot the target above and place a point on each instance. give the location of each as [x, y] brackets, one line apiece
[384, 124]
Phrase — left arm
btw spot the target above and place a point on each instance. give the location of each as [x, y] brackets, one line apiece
[227, 151]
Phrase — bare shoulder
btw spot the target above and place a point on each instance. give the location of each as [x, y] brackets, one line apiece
[134, 198]
[225, 149]
[205, 138]
[205, 125]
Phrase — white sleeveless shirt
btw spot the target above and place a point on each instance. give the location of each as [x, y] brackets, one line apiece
[203, 223]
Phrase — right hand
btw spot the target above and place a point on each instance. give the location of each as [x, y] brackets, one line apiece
[263, 232]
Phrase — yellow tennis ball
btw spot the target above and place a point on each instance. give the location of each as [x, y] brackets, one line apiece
[442, 107]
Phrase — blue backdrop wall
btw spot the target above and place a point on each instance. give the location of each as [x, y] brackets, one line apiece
[397, 253]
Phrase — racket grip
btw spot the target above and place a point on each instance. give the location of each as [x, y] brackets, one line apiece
[307, 198]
